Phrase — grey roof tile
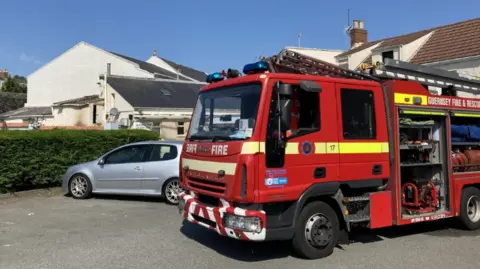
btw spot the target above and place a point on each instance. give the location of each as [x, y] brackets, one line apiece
[156, 93]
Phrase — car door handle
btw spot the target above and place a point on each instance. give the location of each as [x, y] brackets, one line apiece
[137, 168]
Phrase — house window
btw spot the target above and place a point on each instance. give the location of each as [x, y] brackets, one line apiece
[358, 114]
[180, 128]
[387, 55]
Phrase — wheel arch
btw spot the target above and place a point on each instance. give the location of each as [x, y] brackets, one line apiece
[320, 192]
[475, 185]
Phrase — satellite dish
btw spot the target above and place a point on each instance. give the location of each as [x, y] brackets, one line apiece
[113, 111]
[113, 114]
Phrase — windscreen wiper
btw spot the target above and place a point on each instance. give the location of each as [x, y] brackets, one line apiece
[199, 137]
[225, 138]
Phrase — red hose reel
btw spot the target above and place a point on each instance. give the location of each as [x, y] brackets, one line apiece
[420, 198]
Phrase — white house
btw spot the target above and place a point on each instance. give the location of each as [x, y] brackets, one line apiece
[453, 47]
[70, 90]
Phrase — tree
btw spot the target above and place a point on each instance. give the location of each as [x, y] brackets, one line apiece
[16, 84]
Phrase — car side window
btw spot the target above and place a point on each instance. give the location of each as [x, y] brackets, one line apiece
[130, 154]
[163, 153]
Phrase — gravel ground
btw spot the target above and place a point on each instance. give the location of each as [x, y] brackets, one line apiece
[53, 231]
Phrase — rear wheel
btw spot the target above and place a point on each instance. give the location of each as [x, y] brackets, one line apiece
[317, 231]
[470, 208]
[171, 190]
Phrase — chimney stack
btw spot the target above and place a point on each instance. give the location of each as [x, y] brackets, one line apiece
[358, 35]
[4, 73]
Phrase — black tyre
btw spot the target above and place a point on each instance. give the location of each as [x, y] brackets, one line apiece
[470, 208]
[316, 231]
[80, 186]
[170, 190]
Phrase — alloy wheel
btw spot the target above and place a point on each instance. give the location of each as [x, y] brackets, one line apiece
[78, 186]
[172, 190]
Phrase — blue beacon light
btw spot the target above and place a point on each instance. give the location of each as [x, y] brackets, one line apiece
[254, 68]
[214, 77]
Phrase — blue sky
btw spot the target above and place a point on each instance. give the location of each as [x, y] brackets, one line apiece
[208, 35]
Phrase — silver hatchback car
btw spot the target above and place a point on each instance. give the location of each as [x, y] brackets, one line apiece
[142, 168]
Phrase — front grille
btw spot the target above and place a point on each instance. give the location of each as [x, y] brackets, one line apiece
[208, 200]
[207, 185]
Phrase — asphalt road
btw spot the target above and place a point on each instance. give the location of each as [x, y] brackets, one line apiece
[114, 233]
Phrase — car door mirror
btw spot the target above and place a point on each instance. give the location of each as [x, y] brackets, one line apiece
[101, 161]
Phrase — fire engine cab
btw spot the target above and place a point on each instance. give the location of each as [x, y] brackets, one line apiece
[299, 149]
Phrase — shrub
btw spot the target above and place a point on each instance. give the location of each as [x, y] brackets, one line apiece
[11, 101]
[38, 159]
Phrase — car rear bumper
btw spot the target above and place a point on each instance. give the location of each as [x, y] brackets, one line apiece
[213, 217]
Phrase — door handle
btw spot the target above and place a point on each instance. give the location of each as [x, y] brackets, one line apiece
[137, 168]
[377, 169]
[320, 172]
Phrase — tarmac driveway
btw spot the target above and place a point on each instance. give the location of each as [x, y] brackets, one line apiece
[114, 233]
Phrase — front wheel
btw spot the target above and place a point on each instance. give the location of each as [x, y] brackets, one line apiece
[317, 231]
[80, 186]
[171, 190]
[470, 208]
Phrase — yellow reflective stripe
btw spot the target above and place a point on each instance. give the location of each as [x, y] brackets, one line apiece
[326, 148]
[262, 147]
[210, 167]
[416, 112]
[292, 148]
[407, 99]
[320, 148]
[253, 147]
[466, 115]
[333, 147]
[363, 147]
[323, 147]
[385, 147]
[250, 148]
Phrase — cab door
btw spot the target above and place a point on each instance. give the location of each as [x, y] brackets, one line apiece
[311, 153]
[362, 136]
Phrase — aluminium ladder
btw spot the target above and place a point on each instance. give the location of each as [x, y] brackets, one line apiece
[292, 62]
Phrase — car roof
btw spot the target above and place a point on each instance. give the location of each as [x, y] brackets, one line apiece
[155, 142]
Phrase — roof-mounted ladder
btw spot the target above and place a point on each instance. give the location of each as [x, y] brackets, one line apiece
[291, 62]
[394, 69]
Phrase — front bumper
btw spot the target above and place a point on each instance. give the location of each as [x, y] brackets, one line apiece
[212, 217]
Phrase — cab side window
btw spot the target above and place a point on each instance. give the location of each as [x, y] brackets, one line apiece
[358, 114]
[305, 117]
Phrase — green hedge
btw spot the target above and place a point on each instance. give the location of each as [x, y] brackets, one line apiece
[37, 159]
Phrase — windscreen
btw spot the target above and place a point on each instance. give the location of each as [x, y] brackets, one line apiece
[226, 113]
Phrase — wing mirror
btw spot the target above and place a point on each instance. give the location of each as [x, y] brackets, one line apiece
[283, 95]
[101, 161]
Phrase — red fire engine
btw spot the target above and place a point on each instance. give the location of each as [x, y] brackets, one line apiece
[302, 150]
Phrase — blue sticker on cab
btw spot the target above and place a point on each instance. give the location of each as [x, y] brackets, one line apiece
[273, 182]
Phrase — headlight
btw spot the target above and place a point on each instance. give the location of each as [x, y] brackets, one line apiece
[247, 224]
